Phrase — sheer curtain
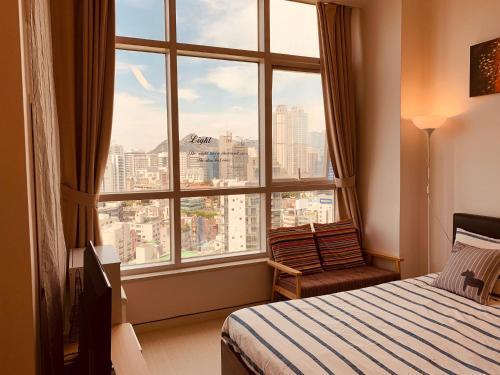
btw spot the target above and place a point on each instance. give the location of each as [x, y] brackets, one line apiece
[84, 59]
[334, 22]
[50, 239]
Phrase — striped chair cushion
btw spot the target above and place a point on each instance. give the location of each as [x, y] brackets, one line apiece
[338, 245]
[470, 272]
[295, 247]
[339, 280]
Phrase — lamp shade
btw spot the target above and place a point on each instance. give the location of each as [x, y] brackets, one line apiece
[429, 121]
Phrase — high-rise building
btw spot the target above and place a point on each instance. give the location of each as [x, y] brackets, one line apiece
[253, 166]
[119, 235]
[233, 158]
[144, 171]
[313, 164]
[290, 132]
[193, 169]
[147, 252]
[114, 174]
[239, 222]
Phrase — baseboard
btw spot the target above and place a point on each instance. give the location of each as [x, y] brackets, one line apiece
[190, 318]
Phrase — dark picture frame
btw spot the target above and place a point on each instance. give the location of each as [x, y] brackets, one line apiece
[485, 68]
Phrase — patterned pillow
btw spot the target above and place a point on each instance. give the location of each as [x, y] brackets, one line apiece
[482, 242]
[470, 272]
[295, 247]
[338, 245]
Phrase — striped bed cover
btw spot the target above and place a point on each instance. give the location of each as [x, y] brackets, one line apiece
[402, 327]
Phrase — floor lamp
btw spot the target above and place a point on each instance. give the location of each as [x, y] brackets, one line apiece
[428, 124]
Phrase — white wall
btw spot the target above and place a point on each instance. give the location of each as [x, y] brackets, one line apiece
[379, 107]
[466, 157]
[433, 39]
[18, 345]
[178, 294]
[414, 101]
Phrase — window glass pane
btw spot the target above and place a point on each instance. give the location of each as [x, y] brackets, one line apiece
[302, 207]
[294, 28]
[139, 230]
[141, 19]
[220, 225]
[299, 140]
[219, 23]
[218, 123]
[138, 156]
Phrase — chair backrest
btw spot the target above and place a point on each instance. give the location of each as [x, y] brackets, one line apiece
[277, 234]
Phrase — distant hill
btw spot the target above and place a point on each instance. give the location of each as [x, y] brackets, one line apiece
[187, 146]
[162, 147]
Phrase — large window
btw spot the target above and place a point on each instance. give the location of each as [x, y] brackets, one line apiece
[218, 130]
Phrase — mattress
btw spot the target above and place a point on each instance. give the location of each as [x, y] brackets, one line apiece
[402, 327]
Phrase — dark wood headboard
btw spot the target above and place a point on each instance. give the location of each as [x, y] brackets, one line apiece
[484, 225]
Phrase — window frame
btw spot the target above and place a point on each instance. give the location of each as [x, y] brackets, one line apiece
[268, 62]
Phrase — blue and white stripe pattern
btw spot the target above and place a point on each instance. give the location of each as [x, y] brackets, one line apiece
[403, 327]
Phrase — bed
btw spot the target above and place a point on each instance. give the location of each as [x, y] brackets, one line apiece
[401, 327]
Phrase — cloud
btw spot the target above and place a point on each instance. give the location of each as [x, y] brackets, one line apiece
[124, 67]
[188, 94]
[244, 124]
[240, 80]
[141, 124]
[138, 123]
[214, 4]
[136, 71]
[234, 24]
[228, 23]
[294, 28]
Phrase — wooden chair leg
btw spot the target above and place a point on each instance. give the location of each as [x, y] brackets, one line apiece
[275, 279]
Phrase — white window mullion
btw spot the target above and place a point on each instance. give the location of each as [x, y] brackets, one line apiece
[174, 134]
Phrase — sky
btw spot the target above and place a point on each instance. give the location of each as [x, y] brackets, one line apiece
[215, 96]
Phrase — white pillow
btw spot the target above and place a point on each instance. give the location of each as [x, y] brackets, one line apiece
[482, 242]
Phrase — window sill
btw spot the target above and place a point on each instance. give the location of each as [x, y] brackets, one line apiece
[194, 269]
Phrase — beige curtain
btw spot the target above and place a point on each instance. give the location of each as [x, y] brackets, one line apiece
[84, 57]
[334, 23]
[50, 239]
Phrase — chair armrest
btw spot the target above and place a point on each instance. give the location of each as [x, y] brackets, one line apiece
[383, 256]
[283, 268]
[278, 267]
[397, 260]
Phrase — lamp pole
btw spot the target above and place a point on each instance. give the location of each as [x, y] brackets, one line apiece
[428, 124]
[428, 133]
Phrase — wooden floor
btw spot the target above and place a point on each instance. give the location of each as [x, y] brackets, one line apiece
[183, 350]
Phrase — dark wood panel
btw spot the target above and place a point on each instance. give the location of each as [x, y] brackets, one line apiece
[231, 362]
[484, 225]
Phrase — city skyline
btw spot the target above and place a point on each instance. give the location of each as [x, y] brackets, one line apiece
[209, 159]
[141, 231]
